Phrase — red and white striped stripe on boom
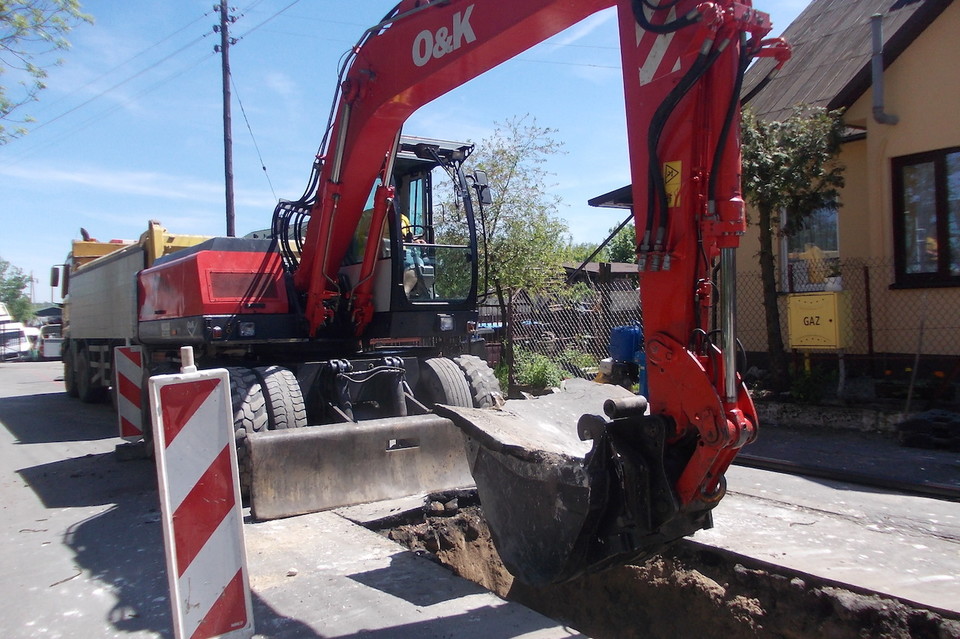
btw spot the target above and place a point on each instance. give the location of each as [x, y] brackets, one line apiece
[200, 501]
[128, 367]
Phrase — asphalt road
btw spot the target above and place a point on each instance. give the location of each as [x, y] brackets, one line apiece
[82, 539]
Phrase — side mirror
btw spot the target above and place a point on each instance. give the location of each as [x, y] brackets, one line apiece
[54, 277]
[483, 190]
[485, 195]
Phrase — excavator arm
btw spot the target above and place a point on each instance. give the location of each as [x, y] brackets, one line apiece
[655, 466]
[420, 51]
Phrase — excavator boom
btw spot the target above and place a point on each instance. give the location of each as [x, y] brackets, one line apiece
[654, 466]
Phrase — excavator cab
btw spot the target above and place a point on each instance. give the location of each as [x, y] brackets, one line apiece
[425, 278]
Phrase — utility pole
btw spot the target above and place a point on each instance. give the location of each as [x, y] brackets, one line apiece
[224, 50]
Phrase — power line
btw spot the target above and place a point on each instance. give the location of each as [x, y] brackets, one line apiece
[570, 64]
[49, 105]
[251, 30]
[81, 126]
[121, 83]
[252, 137]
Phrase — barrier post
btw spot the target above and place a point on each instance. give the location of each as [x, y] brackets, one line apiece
[200, 503]
[128, 378]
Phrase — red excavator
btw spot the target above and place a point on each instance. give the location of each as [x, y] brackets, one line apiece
[655, 466]
[347, 317]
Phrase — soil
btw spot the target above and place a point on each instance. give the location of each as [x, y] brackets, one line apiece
[689, 591]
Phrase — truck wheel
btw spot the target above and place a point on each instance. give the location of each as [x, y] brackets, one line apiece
[283, 398]
[484, 385]
[88, 392]
[249, 416]
[442, 382]
[69, 374]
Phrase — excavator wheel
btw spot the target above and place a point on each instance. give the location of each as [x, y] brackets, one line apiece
[442, 382]
[249, 416]
[283, 397]
[264, 398]
[484, 386]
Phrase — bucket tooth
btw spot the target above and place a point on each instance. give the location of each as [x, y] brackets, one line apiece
[558, 506]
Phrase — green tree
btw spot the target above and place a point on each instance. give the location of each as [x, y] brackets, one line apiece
[523, 242]
[13, 282]
[30, 32]
[623, 246]
[579, 251]
[789, 166]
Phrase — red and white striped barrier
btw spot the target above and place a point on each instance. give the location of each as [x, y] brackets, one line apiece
[128, 376]
[200, 503]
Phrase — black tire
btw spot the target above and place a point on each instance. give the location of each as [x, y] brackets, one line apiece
[442, 382]
[86, 390]
[69, 374]
[484, 385]
[283, 398]
[246, 394]
[249, 416]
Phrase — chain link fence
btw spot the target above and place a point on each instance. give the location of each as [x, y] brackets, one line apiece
[559, 331]
[887, 333]
[881, 323]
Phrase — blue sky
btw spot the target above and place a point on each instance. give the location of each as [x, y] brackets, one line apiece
[130, 127]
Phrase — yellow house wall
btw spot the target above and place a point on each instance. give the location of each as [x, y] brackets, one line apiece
[922, 88]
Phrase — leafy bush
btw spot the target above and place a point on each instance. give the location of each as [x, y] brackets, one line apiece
[502, 372]
[536, 370]
[809, 387]
[578, 358]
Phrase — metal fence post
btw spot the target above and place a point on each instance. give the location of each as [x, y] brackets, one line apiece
[508, 351]
[868, 303]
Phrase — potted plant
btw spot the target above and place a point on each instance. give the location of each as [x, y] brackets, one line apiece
[833, 280]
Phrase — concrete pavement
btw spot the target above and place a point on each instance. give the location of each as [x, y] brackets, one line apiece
[907, 547]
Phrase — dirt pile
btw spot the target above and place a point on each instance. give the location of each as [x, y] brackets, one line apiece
[690, 591]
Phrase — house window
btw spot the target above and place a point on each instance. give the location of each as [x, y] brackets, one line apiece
[926, 217]
[812, 252]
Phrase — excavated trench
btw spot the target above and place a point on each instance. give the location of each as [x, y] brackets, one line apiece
[689, 591]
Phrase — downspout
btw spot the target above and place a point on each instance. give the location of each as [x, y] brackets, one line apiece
[876, 25]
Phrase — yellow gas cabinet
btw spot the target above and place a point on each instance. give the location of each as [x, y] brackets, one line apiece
[818, 320]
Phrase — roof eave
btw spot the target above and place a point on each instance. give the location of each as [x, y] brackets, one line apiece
[925, 14]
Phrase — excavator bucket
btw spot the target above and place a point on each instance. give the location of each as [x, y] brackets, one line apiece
[301, 470]
[565, 490]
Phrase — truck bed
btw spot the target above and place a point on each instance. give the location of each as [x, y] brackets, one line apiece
[102, 300]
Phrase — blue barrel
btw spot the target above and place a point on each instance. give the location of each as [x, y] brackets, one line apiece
[626, 342]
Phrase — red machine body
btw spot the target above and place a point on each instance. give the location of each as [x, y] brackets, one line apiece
[213, 282]
[683, 61]
[300, 316]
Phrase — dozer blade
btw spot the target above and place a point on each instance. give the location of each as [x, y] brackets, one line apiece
[558, 506]
[303, 470]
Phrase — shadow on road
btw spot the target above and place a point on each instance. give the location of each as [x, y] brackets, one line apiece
[91, 480]
[122, 547]
[64, 419]
[402, 579]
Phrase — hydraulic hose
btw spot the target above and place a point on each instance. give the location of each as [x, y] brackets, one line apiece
[641, 16]
[659, 192]
[728, 120]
